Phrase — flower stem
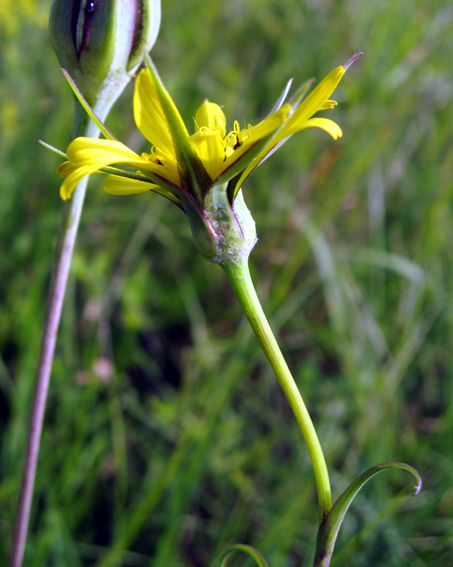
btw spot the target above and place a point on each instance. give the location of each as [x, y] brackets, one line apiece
[65, 246]
[241, 282]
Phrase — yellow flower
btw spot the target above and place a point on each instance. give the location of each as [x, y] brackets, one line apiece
[202, 173]
[180, 165]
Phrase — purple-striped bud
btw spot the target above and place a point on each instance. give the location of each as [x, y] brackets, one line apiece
[101, 42]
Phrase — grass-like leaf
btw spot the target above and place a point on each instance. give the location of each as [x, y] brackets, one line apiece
[328, 530]
[251, 551]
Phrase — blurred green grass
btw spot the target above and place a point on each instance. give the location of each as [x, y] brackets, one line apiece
[166, 434]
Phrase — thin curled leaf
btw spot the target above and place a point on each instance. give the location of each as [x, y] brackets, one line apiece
[254, 554]
[328, 530]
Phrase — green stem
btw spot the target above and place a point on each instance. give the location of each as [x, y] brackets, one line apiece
[241, 282]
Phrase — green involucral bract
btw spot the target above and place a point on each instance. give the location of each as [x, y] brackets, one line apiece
[222, 232]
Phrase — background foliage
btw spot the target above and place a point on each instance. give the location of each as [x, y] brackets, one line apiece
[166, 434]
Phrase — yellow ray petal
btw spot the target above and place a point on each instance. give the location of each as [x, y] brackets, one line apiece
[163, 172]
[324, 123]
[329, 104]
[259, 132]
[150, 116]
[71, 182]
[193, 175]
[209, 147]
[90, 151]
[316, 100]
[116, 185]
[65, 169]
[88, 155]
[210, 115]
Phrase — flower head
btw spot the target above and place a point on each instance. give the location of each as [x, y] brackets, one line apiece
[201, 172]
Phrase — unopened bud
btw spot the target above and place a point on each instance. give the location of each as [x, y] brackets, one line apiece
[101, 42]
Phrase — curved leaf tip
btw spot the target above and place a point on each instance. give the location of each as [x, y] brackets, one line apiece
[254, 554]
[328, 530]
[419, 483]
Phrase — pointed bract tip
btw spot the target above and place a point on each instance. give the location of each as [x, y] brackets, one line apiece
[351, 61]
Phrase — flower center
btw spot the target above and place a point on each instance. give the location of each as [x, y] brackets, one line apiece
[236, 138]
